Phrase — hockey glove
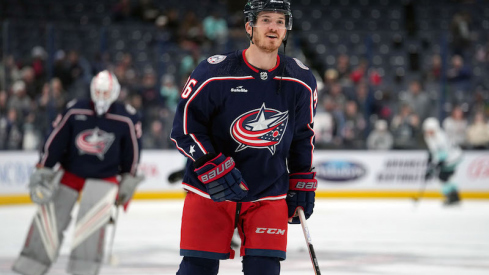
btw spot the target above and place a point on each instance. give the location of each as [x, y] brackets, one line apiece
[222, 180]
[43, 184]
[127, 187]
[301, 194]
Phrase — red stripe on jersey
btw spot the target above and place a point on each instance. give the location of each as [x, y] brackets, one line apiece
[255, 69]
[311, 106]
[134, 140]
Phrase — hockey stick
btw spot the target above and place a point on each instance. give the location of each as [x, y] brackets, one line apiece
[420, 192]
[307, 236]
[112, 259]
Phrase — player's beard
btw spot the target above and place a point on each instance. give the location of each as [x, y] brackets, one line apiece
[262, 42]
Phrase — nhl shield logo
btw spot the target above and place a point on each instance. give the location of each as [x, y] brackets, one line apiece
[263, 75]
[94, 142]
[216, 59]
[261, 128]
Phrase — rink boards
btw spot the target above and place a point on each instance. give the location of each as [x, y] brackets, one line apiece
[341, 174]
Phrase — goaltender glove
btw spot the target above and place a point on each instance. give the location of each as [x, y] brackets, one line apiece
[43, 184]
[221, 179]
[127, 187]
[301, 194]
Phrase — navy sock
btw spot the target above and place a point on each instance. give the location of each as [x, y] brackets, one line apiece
[198, 266]
[254, 265]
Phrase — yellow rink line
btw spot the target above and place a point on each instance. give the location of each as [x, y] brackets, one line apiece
[340, 194]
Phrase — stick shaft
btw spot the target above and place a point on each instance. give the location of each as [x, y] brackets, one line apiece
[114, 226]
[307, 236]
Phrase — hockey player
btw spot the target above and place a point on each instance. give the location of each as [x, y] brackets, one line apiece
[442, 160]
[245, 122]
[93, 142]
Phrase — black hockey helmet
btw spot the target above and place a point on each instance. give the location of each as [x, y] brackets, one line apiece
[254, 7]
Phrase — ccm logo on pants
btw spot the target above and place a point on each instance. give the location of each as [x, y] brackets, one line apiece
[273, 231]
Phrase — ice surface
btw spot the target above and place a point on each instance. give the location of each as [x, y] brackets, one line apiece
[351, 237]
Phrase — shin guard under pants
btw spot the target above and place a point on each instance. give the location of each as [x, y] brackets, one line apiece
[198, 266]
[254, 265]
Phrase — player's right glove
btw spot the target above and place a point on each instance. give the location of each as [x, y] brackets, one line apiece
[43, 184]
[301, 194]
[221, 179]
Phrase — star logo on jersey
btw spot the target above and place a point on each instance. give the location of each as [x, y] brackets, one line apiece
[261, 128]
[94, 142]
[192, 149]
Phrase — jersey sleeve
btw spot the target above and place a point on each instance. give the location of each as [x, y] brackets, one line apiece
[302, 147]
[131, 145]
[190, 132]
[57, 141]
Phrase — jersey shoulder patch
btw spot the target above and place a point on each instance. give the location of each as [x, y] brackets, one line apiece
[215, 59]
[301, 64]
[131, 110]
[71, 103]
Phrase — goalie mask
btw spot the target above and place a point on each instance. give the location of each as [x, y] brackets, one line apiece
[104, 90]
[254, 7]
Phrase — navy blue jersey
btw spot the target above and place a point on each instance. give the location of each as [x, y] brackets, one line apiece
[92, 146]
[231, 107]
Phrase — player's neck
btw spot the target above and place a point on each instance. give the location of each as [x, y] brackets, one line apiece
[261, 59]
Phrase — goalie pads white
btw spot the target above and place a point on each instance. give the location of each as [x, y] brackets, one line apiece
[96, 205]
[127, 187]
[43, 184]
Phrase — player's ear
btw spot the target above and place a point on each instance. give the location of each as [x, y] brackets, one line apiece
[248, 28]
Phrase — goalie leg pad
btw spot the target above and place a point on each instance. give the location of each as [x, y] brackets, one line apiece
[45, 234]
[98, 197]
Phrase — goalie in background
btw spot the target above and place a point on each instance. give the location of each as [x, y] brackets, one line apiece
[443, 159]
[96, 143]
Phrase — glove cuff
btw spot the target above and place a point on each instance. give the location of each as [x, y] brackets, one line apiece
[212, 171]
[303, 182]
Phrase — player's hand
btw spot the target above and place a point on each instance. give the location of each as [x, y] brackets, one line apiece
[301, 194]
[43, 184]
[222, 180]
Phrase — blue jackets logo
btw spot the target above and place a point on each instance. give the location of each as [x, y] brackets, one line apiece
[94, 142]
[260, 128]
[339, 170]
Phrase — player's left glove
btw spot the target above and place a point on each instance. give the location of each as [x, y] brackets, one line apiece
[301, 194]
[127, 187]
[221, 179]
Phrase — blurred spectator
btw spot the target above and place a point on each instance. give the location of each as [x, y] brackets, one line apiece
[155, 137]
[380, 138]
[478, 133]
[31, 137]
[191, 32]
[146, 10]
[359, 73]
[38, 56]
[460, 30]
[122, 11]
[337, 96]
[433, 73]
[455, 126]
[405, 128]
[417, 99]
[169, 92]
[10, 131]
[3, 103]
[215, 29]
[61, 70]
[148, 91]
[18, 100]
[189, 62]
[29, 78]
[459, 76]
[125, 71]
[353, 129]
[324, 125]
[343, 69]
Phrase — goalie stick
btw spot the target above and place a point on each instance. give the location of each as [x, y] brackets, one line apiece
[307, 236]
[110, 257]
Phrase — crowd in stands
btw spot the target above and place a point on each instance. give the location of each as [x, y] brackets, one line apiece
[358, 107]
